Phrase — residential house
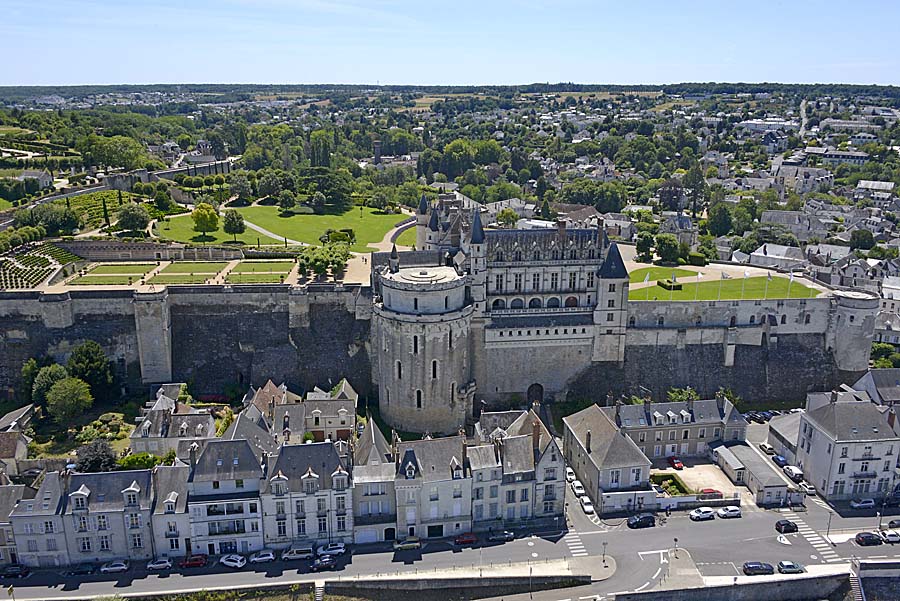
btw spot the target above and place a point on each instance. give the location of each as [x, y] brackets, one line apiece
[170, 519]
[10, 496]
[838, 157]
[38, 524]
[784, 432]
[802, 225]
[374, 498]
[252, 426]
[42, 176]
[775, 142]
[13, 448]
[169, 421]
[681, 227]
[882, 385]
[619, 225]
[522, 208]
[779, 256]
[306, 496]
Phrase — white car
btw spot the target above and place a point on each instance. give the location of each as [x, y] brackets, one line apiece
[586, 505]
[793, 472]
[702, 513]
[862, 503]
[570, 475]
[233, 560]
[808, 488]
[114, 567]
[158, 565]
[890, 536]
[731, 511]
[298, 553]
[578, 488]
[264, 556]
[332, 549]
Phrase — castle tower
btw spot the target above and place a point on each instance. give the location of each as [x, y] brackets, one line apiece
[432, 232]
[420, 338]
[421, 222]
[851, 328]
[611, 311]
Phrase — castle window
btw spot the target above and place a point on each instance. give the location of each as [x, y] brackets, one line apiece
[851, 318]
[446, 302]
[517, 303]
[535, 281]
[591, 254]
[415, 345]
[611, 303]
[499, 256]
[573, 278]
[434, 369]
[571, 302]
[554, 281]
[498, 304]
[537, 255]
[752, 319]
[518, 255]
[660, 321]
[498, 282]
[450, 340]
[534, 303]
[517, 281]
[590, 280]
[573, 254]
[733, 321]
[418, 399]
[553, 303]
[612, 287]
[555, 254]
[631, 321]
[698, 321]
[610, 316]
[806, 319]
[415, 304]
[399, 370]
[783, 319]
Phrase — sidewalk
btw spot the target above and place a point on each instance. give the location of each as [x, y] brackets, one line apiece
[681, 572]
[523, 569]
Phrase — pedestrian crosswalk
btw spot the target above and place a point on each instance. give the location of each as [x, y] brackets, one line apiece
[823, 547]
[576, 547]
[819, 502]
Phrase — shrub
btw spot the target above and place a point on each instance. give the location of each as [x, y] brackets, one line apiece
[698, 259]
[669, 284]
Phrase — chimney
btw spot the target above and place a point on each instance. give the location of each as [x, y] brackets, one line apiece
[272, 409]
[892, 417]
[462, 438]
[587, 441]
[561, 228]
[618, 411]
[536, 407]
[394, 450]
[834, 396]
[647, 403]
[536, 435]
[690, 404]
[720, 401]
[193, 450]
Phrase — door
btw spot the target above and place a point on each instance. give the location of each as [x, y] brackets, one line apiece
[245, 547]
[684, 448]
[390, 533]
[211, 549]
[673, 448]
[366, 536]
[701, 448]
[436, 531]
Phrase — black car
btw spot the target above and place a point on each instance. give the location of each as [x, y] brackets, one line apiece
[785, 526]
[758, 568]
[868, 539]
[325, 562]
[501, 537]
[645, 520]
[15, 570]
[82, 569]
[894, 524]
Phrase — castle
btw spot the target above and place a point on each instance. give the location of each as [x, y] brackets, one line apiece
[475, 316]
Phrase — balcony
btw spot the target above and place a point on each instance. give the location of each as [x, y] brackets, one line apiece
[219, 510]
[172, 534]
[227, 531]
[375, 518]
[865, 475]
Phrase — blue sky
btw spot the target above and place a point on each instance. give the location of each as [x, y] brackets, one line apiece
[449, 42]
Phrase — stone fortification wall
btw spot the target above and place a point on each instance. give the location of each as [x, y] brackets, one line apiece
[102, 250]
[807, 588]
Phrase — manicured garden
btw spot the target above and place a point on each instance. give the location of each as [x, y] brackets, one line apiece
[181, 229]
[255, 278]
[658, 273]
[106, 280]
[181, 278]
[407, 237]
[120, 269]
[189, 267]
[730, 289]
[263, 267]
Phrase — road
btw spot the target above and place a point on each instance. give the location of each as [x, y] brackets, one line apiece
[803, 118]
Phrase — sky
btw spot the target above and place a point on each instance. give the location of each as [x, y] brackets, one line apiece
[452, 42]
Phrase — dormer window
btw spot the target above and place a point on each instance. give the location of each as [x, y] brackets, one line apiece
[145, 430]
[198, 431]
[410, 471]
[80, 503]
[182, 430]
[457, 473]
[339, 482]
[170, 507]
[130, 498]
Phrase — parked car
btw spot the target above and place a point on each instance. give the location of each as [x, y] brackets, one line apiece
[862, 503]
[868, 539]
[894, 524]
[731, 511]
[758, 568]
[790, 567]
[644, 520]
[301, 553]
[702, 513]
[159, 565]
[808, 488]
[332, 549]
[407, 544]
[767, 448]
[712, 492]
[468, 538]
[84, 569]
[779, 460]
[570, 475]
[675, 462]
[798, 410]
[233, 560]
[264, 556]
[793, 472]
[194, 561]
[766, 415]
[501, 537]
[586, 505]
[325, 562]
[785, 526]
[15, 570]
[891, 537]
[114, 567]
[578, 488]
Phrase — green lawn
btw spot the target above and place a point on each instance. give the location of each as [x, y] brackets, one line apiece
[118, 269]
[658, 273]
[263, 267]
[190, 267]
[181, 229]
[731, 290]
[255, 278]
[4, 204]
[407, 237]
[369, 228]
[181, 278]
[105, 280]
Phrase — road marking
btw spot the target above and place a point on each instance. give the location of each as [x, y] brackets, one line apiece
[642, 587]
[656, 574]
[575, 545]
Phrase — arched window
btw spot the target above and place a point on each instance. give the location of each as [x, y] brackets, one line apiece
[806, 319]
[553, 303]
[752, 319]
[418, 399]
[498, 304]
[573, 254]
[534, 303]
[433, 370]
[518, 255]
[571, 302]
[783, 319]
[517, 303]
[661, 321]
[631, 321]
[399, 370]
[733, 321]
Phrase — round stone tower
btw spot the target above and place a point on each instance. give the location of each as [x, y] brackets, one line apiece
[421, 343]
[852, 327]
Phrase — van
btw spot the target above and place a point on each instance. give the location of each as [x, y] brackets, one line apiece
[793, 472]
[298, 553]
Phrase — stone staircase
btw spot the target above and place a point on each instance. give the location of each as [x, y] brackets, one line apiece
[320, 590]
[855, 589]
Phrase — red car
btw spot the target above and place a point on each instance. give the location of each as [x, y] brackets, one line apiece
[466, 539]
[712, 492]
[194, 561]
[676, 463]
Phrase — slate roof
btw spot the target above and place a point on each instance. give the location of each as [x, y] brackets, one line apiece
[762, 470]
[609, 448]
[704, 411]
[423, 205]
[432, 458]
[226, 460]
[251, 425]
[371, 446]
[296, 460]
[106, 489]
[851, 421]
[10, 495]
[542, 322]
[787, 426]
[614, 267]
[14, 416]
[483, 457]
[170, 482]
[887, 382]
[50, 492]
[517, 454]
[477, 235]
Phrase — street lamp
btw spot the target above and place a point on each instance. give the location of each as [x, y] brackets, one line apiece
[676, 547]
[828, 531]
[604, 553]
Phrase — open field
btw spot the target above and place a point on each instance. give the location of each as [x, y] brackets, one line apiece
[105, 280]
[369, 225]
[4, 204]
[119, 269]
[263, 267]
[658, 273]
[181, 278]
[181, 229]
[731, 289]
[407, 237]
[190, 267]
[255, 278]
[12, 130]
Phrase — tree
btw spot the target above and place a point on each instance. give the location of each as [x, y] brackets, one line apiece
[667, 248]
[241, 188]
[269, 185]
[139, 461]
[183, 141]
[695, 185]
[96, 456]
[162, 200]
[719, 219]
[507, 218]
[286, 200]
[89, 362]
[67, 399]
[233, 223]
[317, 201]
[670, 195]
[44, 381]
[861, 239]
[881, 350]
[106, 210]
[541, 187]
[320, 148]
[644, 247]
[545, 210]
[29, 372]
[682, 395]
[133, 217]
[205, 218]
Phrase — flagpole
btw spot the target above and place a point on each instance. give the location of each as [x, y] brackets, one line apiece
[790, 281]
[743, 283]
[697, 287]
[766, 291]
[721, 277]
